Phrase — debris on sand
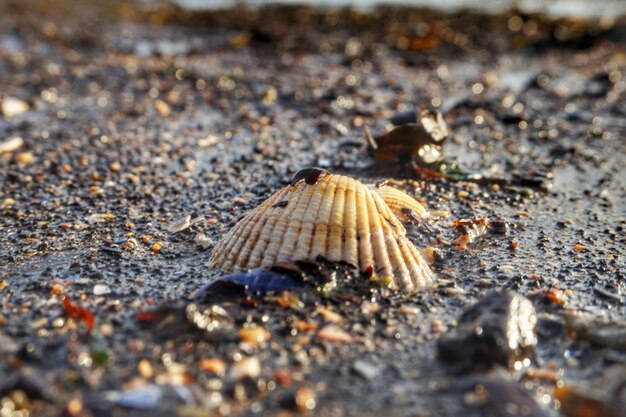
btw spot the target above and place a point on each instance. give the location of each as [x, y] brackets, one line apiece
[414, 141]
[246, 368]
[11, 106]
[11, 144]
[202, 240]
[498, 329]
[257, 281]
[75, 311]
[134, 118]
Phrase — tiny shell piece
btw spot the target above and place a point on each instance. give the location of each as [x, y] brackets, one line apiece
[338, 218]
[180, 225]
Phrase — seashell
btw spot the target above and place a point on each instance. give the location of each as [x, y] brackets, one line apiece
[333, 216]
[400, 203]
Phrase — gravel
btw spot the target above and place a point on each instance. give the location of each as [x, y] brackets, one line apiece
[148, 133]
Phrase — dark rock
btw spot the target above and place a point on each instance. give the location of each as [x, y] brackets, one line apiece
[499, 329]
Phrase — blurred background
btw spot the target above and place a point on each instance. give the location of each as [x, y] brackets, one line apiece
[552, 8]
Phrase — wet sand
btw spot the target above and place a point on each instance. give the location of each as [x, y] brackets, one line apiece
[131, 120]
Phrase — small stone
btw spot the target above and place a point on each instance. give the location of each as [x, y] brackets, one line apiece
[305, 399]
[408, 310]
[555, 295]
[106, 329]
[249, 367]
[329, 315]
[12, 106]
[100, 217]
[455, 291]
[289, 299]
[208, 141]
[213, 365]
[370, 307]
[334, 334]
[365, 369]
[163, 108]
[144, 398]
[283, 378]
[270, 95]
[440, 213]
[24, 158]
[145, 368]
[436, 326]
[11, 144]
[254, 336]
[100, 289]
[202, 240]
[7, 345]
[130, 243]
[304, 326]
[7, 202]
[75, 407]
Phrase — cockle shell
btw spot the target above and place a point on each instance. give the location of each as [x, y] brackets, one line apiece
[336, 217]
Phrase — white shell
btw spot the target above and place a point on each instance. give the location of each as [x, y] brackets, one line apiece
[338, 218]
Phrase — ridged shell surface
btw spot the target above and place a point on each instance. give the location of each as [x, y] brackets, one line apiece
[338, 218]
[399, 201]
